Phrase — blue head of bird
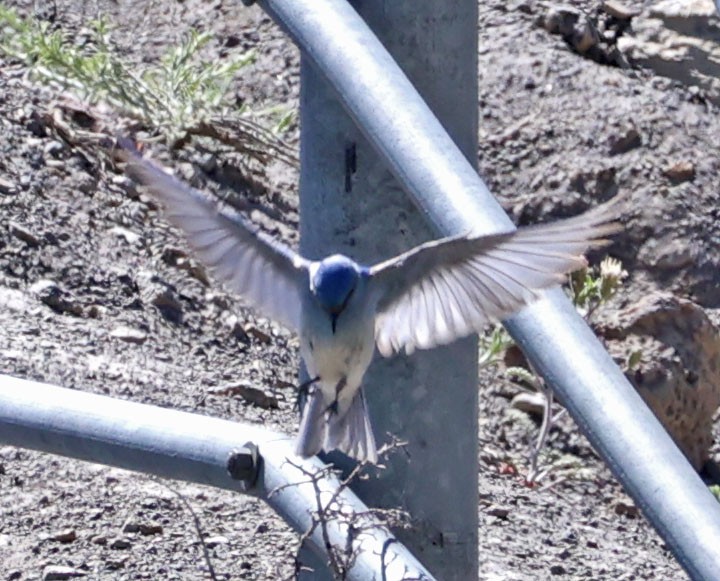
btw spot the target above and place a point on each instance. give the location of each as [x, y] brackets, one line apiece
[333, 284]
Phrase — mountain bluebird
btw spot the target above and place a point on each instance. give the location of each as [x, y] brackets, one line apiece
[431, 295]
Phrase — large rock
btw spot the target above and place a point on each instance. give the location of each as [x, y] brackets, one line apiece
[678, 39]
[670, 351]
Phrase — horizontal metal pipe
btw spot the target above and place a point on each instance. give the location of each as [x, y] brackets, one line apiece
[196, 448]
[556, 340]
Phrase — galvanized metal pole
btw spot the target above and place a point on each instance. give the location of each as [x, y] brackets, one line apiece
[351, 203]
[445, 186]
[205, 450]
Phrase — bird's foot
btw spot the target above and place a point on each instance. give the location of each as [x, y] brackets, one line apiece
[304, 391]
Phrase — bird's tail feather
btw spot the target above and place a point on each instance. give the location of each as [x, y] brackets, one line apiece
[313, 427]
[352, 433]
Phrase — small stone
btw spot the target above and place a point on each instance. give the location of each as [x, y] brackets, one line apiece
[628, 509]
[501, 512]
[212, 542]
[681, 171]
[624, 141]
[131, 527]
[120, 544]
[531, 403]
[7, 188]
[60, 572]
[619, 10]
[232, 322]
[684, 9]
[49, 293]
[557, 570]
[179, 258]
[250, 394]
[147, 529]
[114, 564]
[64, 536]
[129, 335]
[99, 540]
[53, 148]
[573, 25]
[22, 233]
[128, 235]
[144, 529]
[261, 336]
[160, 294]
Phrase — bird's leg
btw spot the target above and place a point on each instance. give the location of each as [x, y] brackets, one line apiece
[332, 408]
[304, 389]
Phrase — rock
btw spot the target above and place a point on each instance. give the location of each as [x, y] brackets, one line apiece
[160, 294]
[681, 171]
[54, 297]
[64, 536]
[573, 25]
[179, 258]
[259, 334]
[60, 572]
[120, 544]
[250, 394]
[685, 15]
[25, 234]
[530, 403]
[674, 254]
[623, 508]
[113, 564]
[143, 528]
[212, 542]
[619, 10]
[129, 335]
[622, 142]
[46, 290]
[501, 512]
[233, 324]
[7, 188]
[679, 40]
[670, 352]
[128, 235]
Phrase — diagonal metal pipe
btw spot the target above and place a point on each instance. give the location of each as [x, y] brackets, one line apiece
[205, 450]
[394, 118]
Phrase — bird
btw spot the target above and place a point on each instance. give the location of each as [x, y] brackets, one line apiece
[343, 311]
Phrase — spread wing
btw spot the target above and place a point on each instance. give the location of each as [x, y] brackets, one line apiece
[450, 288]
[250, 262]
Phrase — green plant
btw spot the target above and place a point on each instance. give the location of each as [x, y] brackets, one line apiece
[493, 345]
[715, 490]
[591, 287]
[588, 289]
[179, 96]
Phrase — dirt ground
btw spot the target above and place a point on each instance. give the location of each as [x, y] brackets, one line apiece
[555, 127]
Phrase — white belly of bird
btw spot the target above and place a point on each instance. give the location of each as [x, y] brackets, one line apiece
[336, 359]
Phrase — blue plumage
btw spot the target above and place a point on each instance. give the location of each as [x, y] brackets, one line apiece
[334, 281]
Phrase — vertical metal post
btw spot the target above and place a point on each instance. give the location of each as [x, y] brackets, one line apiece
[350, 203]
